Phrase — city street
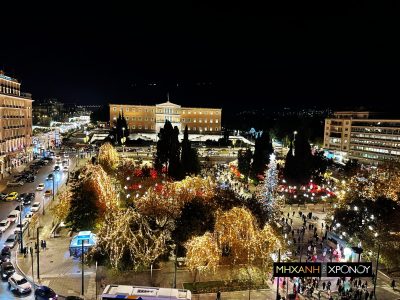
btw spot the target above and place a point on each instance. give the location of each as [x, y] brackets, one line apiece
[6, 207]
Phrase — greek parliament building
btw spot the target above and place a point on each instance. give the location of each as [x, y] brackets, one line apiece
[365, 136]
[15, 125]
[149, 119]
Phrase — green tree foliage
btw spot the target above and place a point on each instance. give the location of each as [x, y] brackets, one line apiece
[84, 210]
[119, 131]
[168, 151]
[298, 167]
[373, 222]
[196, 218]
[244, 161]
[262, 151]
[189, 157]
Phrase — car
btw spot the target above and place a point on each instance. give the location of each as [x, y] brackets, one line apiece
[66, 155]
[50, 177]
[6, 251]
[65, 169]
[11, 196]
[7, 269]
[11, 241]
[4, 225]
[40, 187]
[3, 196]
[44, 161]
[19, 207]
[22, 196]
[35, 206]
[45, 293]
[19, 283]
[30, 178]
[24, 225]
[58, 161]
[58, 157]
[29, 216]
[65, 163]
[15, 183]
[13, 216]
[48, 193]
[56, 168]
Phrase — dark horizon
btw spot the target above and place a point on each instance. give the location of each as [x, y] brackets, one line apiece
[235, 58]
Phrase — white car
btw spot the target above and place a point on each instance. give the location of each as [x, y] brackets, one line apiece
[57, 157]
[13, 216]
[66, 155]
[58, 162]
[20, 284]
[28, 216]
[35, 206]
[65, 168]
[40, 187]
[24, 225]
[4, 225]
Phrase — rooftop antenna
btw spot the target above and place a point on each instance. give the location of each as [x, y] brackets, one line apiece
[167, 97]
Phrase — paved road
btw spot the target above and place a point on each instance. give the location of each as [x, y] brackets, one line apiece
[6, 207]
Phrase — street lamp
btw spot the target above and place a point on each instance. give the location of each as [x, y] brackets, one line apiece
[294, 138]
[20, 228]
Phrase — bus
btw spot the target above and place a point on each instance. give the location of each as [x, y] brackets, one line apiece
[114, 291]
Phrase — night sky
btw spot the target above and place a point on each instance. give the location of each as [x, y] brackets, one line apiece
[204, 55]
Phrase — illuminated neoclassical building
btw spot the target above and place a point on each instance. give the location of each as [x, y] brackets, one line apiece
[149, 119]
[15, 124]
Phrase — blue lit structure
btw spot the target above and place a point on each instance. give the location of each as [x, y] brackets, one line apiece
[87, 238]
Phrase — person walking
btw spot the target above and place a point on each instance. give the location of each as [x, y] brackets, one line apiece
[323, 285]
[393, 285]
[218, 295]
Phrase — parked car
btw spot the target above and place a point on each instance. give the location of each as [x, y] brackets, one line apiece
[11, 196]
[22, 196]
[45, 293]
[19, 283]
[11, 241]
[19, 207]
[29, 216]
[65, 169]
[35, 206]
[56, 168]
[4, 225]
[15, 183]
[40, 187]
[13, 216]
[47, 193]
[28, 199]
[50, 177]
[24, 225]
[3, 196]
[7, 269]
[6, 251]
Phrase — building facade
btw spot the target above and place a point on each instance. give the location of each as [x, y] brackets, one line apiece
[362, 136]
[149, 119]
[15, 125]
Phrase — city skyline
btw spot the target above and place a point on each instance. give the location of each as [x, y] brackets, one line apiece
[203, 53]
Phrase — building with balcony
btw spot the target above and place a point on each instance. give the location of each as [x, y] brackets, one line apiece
[368, 137]
[15, 125]
[149, 119]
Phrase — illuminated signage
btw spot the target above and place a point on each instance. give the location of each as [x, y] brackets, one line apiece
[330, 269]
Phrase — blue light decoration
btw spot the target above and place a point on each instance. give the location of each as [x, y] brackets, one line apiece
[87, 238]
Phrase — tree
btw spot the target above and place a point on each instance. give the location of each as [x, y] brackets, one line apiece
[262, 150]
[108, 157]
[299, 164]
[189, 158]
[92, 195]
[61, 210]
[129, 241]
[244, 161]
[168, 151]
[202, 254]
[121, 129]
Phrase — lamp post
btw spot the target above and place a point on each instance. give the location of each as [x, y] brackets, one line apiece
[294, 138]
[20, 228]
[42, 206]
[54, 178]
[83, 271]
[37, 252]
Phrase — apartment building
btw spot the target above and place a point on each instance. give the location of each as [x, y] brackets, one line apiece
[15, 125]
[150, 118]
[367, 137]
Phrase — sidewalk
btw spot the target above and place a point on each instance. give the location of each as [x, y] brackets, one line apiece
[57, 269]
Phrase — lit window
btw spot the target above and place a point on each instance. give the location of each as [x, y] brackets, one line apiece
[140, 126]
[127, 118]
[200, 120]
[211, 120]
[205, 120]
[216, 120]
[127, 109]
[205, 128]
[188, 128]
[194, 128]
[115, 109]
[194, 120]
[210, 128]
[133, 126]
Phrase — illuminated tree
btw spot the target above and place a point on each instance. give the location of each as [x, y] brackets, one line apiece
[61, 210]
[128, 240]
[202, 254]
[108, 157]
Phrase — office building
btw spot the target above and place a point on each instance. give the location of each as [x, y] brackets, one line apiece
[367, 137]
